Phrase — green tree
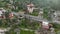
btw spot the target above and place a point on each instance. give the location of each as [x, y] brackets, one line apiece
[47, 14]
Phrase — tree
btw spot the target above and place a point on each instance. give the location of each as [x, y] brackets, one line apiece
[47, 13]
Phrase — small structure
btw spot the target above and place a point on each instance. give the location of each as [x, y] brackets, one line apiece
[41, 13]
[3, 30]
[30, 7]
[45, 25]
[1, 12]
[11, 15]
[43, 28]
[56, 17]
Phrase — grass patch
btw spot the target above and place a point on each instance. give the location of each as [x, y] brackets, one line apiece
[35, 13]
[26, 32]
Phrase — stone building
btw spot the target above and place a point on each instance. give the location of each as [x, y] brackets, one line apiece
[30, 7]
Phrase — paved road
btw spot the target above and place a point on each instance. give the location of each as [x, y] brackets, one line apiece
[30, 16]
[36, 18]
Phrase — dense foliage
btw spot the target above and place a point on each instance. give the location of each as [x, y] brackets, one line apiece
[21, 4]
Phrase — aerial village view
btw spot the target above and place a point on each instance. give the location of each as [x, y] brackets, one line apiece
[29, 16]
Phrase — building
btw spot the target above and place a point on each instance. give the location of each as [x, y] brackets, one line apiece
[43, 30]
[3, 30]
[30, 7]
[45, 25]
[1, 12]
[11, 15]
[41, 13]
[56, 17]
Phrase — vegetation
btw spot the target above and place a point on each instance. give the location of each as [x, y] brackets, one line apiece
[27, 32]
[34, 13]
[20, 5]
[30, 25]
[56, 27]
[46, 14]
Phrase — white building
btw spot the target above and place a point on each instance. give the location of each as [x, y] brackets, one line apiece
[45, 24]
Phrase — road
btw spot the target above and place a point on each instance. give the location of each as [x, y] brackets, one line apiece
[36, 18]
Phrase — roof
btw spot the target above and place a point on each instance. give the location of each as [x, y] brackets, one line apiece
[45, 23]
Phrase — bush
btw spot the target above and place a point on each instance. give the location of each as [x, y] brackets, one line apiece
[26, 32]
[56, 26]
[35, 13]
